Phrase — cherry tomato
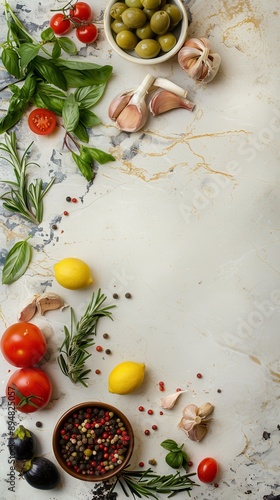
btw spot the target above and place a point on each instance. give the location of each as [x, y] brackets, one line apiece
[87, 34]
[81, 13]
[207, 470]
[60, 24]
[42, 121]
[23, 344]
[29, 389]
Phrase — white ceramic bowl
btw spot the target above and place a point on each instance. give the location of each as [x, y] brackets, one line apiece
[180, 32]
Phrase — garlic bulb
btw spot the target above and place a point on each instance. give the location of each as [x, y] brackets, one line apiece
[129, 109]
[195, 420]
[196, 58]
[164, 100]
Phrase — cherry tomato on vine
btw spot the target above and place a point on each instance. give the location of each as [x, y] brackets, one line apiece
[23, 344]
[42, 121]
[207, 470]
[81, 13]
[87, 34]
[60, 24]
[29, 389]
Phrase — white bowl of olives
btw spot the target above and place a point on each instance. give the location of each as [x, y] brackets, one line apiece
[146, 31]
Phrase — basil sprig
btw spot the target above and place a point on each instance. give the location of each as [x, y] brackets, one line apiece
[17, 261]
[175, 457]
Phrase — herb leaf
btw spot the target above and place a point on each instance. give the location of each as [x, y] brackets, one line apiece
[73, 351]
[27, 52]
[10, 59]
[169, 444]
[16, 263]
[48, 70]
[70, 113]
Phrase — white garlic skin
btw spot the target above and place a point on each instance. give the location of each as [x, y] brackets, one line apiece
[197, 59]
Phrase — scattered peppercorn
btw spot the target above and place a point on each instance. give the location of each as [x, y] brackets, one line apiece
[105, 335]
[74, 200]
[161, 412]
[108, 351]
[39, 424]
[128, 295]
[150, 412]
[99, 348]
[54, 226]
[190, 463]
[216, 485]
[178, 389]
[147, 432]
[97, 371]
[68, 198]
[141, 408]
[199, 375]
[219, 391]
[152, 461]
[154, 427]
[141, 464]
[161, 386]
[65, 212]
[266, 435]
[115, 296]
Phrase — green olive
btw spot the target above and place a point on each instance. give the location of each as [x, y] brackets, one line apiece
[145, 32]
[118, 25]
[174, 13]
[126, 40]
[117, 9]
[160, 22]
[134, 17]
[134, 3]
[151, 4]
[147, 48]
[149, 12]
[167, 41]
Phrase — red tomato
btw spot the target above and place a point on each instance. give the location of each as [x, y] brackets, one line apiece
[42, 121]
[23, 344]
[60, 24]
[29, 389]
[207, 470]
[81, 12]
[87, 34]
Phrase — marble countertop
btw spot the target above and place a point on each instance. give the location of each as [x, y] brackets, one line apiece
[186, 220]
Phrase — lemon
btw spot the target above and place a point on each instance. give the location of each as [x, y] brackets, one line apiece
[72, 273]
[126, 377]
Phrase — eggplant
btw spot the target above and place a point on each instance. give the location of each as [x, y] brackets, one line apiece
[22, 444]
[41, 473]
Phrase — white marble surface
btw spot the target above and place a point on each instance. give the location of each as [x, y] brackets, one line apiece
[187, 221]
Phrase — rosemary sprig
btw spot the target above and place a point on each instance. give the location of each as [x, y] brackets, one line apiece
[148, 484]
[23, 198]
[73, 351]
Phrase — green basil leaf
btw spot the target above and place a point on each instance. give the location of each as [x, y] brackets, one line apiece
[70, 113]
[77, 65]
[48, 35]
[50, 90]
[56, 51]
[67, 45]
[169, 444]
[77, 78]
[10, 59]
[89, 96]
[16, 263]
[29, 87]
[52, 103]
[19, 33]
[27, 52]
[88, 118]
[81, 132]
[174, 460]
[97, 155]
[11, 118]
[49, 72]
[84, 166]
[18, 103]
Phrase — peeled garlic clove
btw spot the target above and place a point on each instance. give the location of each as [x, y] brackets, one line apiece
[29, 311]
[49, 301]
[118, 104]
[197, 433]
[169, 401]
[164, 100]
[205, 410]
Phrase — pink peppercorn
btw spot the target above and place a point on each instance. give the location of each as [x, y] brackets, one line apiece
[154, 427]
[141, 464]
[150, 412]
[99, 348]
[147, 432]
[141, 408]
[199, 375]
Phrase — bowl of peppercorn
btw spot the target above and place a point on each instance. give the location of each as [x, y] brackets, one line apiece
[93, 441]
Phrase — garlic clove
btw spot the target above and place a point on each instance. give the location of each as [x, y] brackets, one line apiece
[205, 410]
[169, 401]
[190, 411]
[119, 103]
[49, 301]
[29, 310]
[186, 424]
[164, 100]
[132, 118]
[216, 62]
[197, 433]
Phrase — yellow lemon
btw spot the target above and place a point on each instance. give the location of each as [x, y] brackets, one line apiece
[72, 273]
[126, 377]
